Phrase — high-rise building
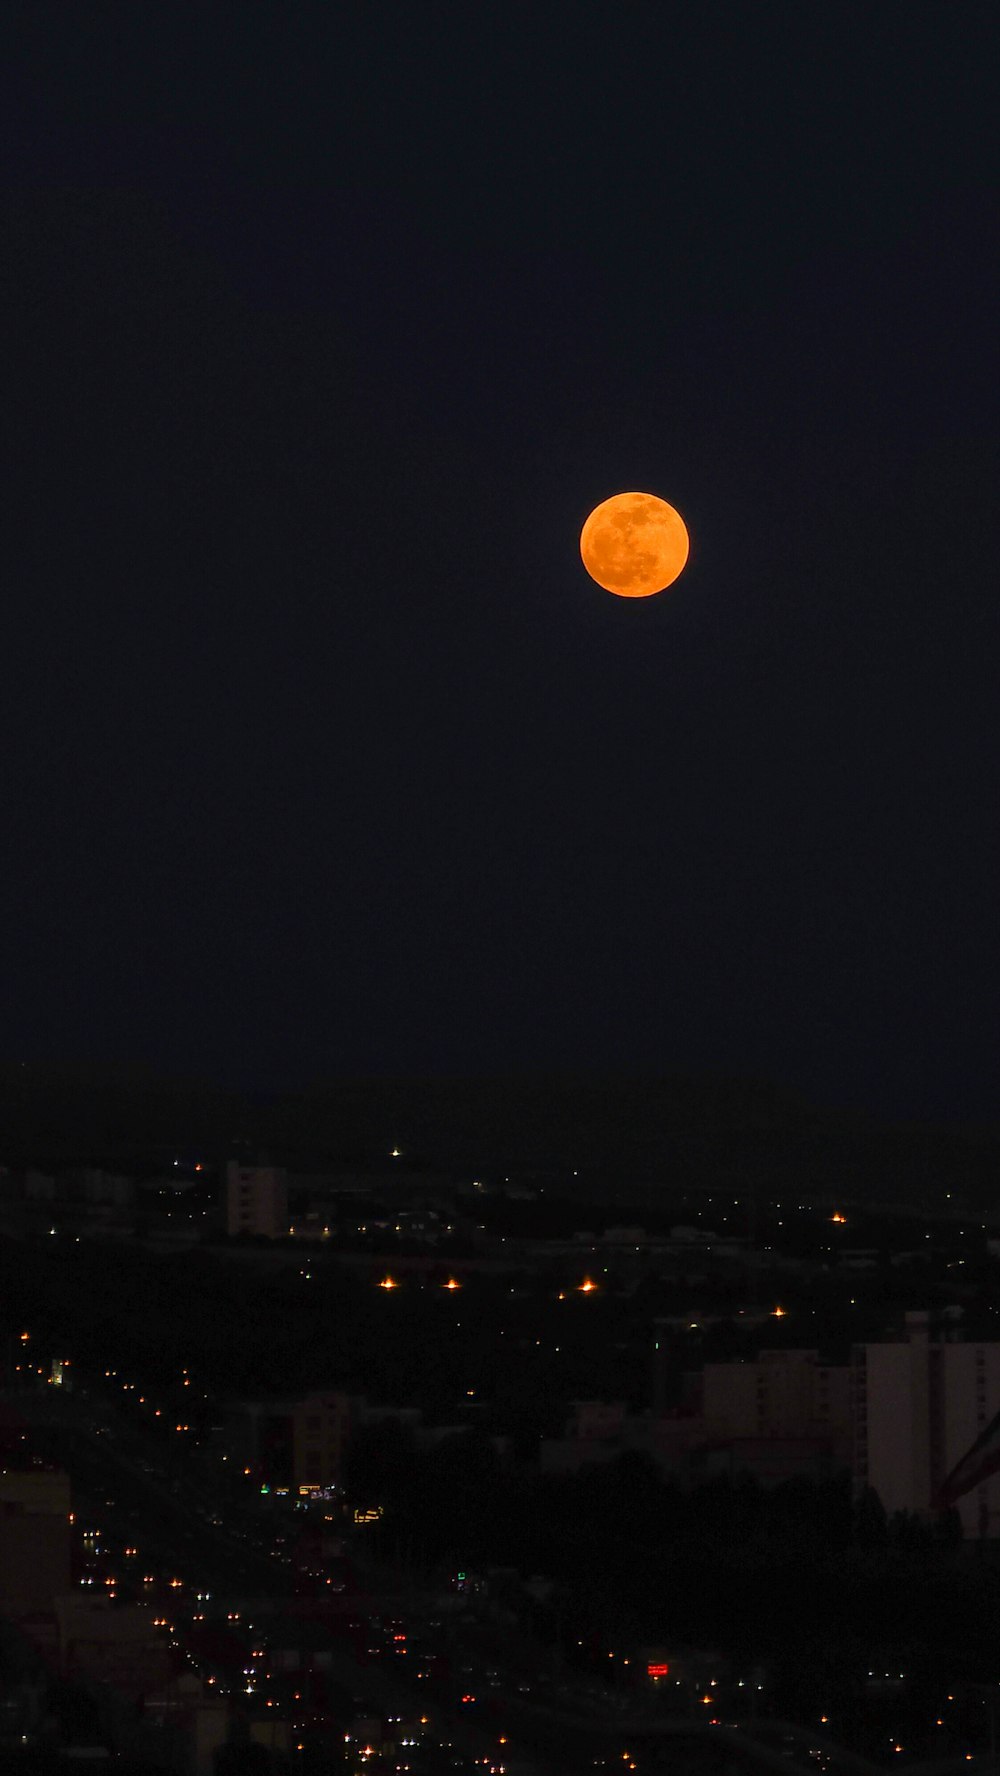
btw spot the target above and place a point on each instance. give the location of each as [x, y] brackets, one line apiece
[256, 1200]
[321, 1430]
[919, 1404]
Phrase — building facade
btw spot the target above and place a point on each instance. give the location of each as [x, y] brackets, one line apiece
[44, 1491]
[321, 1428]
[34, 1560]
[919, 1403]
[256, 1200]
[783, 1394]
[113, 1644]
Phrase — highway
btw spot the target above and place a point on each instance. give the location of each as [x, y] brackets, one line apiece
[559, 1727]
[170, 1522]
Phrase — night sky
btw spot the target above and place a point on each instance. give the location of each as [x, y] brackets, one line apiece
[325, 327]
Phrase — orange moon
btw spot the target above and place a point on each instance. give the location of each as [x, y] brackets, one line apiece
[634, 544]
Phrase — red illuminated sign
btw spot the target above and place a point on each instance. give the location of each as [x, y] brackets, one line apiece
[657, 1670]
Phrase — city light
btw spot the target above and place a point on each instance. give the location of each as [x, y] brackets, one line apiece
[140, 1445]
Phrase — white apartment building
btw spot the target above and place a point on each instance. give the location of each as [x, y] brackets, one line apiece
[256, 1200]
[918, 1406]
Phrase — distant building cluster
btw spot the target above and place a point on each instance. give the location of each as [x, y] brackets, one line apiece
[900, 1415]
[898, 1411]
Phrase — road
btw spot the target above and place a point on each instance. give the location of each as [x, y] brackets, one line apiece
[144, 1508]
[168, 1518]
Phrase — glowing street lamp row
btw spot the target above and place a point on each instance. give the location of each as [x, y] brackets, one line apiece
[389, 1282]
[587, 1287]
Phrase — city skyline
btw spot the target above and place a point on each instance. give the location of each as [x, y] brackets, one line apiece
[499, 957]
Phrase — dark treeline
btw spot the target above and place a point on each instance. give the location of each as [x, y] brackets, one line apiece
[800, 1575]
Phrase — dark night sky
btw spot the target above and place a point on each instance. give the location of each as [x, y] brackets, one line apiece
[324, 329]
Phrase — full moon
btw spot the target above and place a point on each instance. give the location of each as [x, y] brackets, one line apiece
[634, 544]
